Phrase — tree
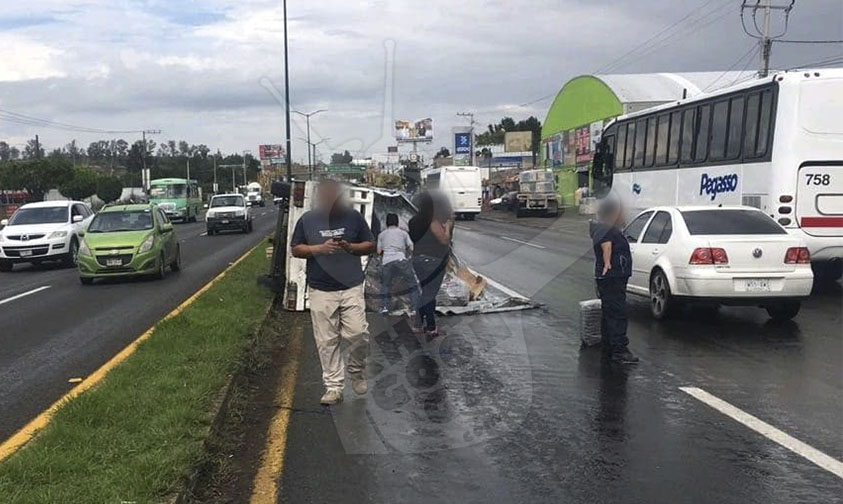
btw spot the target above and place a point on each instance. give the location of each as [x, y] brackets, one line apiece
[33, 150]
[5, 151]
[496, 133]
[443, 153]
[37, 177]
[109, 188]
[344, 158]
[82, 185]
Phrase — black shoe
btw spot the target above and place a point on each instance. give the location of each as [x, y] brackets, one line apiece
[624, 357]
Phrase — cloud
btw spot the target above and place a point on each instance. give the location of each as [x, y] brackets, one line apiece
[195, 68]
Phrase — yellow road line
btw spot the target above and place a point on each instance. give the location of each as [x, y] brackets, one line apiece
[27, 432]
[265, 484]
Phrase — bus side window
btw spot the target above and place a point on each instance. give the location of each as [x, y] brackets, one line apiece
[675, 130]
[650, 153]
[753, 103]
[764, 123]
[640, 137]
[688, 119]
[630, 144]
[662, 139]
[703, 130]
[733, 145]
[621, 147]
[719, 125]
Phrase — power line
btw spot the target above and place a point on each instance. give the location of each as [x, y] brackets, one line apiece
[749, 53]
[14, 117]
[787, 41]
[694, 19]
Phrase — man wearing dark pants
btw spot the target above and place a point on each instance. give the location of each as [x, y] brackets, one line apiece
[332, 237]
[613, 267]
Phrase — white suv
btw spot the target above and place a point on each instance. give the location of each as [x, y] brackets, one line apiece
[45, 231]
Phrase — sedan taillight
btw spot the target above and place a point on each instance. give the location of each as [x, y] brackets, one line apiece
[797, 255]
[707, 255]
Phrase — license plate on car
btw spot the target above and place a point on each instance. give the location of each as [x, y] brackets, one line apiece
[758, 285]
[225, 221]
[25, 253]
[114, 262]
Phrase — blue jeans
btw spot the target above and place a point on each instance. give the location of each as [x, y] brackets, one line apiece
[403, 271]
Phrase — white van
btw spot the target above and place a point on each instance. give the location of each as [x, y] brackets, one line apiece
[463, 185]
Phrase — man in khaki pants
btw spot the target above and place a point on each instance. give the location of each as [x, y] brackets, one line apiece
[332, 237]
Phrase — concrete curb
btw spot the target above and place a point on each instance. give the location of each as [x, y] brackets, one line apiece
[219, 411]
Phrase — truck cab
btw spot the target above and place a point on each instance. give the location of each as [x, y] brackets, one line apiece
[537, 193]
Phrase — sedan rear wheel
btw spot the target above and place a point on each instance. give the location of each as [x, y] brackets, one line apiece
[782, 312]
[661, 300]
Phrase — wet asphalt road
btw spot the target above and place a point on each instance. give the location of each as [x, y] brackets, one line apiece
[67, 330]
[509, 408]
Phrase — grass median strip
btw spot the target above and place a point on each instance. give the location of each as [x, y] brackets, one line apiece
[134, 436]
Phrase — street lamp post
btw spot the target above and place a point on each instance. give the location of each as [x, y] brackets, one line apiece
[311, 145]
[287, 98]
[309, 159]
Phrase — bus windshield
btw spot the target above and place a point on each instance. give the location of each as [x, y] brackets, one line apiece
[169, 191]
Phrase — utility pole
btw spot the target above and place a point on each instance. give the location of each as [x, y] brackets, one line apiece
[287, 98]
[37, 147]
[470, 115]
[309, 143]
[311, 147]
[145, 176]
[188, 170]
[245, 180]
[216, 187]
[762, 33]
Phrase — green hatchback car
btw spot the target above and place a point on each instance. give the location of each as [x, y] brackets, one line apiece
[128, 240]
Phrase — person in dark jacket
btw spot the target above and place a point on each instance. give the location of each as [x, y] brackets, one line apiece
[430, 231]
[612, 269]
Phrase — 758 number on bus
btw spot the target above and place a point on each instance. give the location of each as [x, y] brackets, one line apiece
[817, 179]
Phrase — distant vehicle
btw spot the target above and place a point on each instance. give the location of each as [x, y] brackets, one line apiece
[537, 193]
[774, 144]
[128, 240]
[254, 194]
[45, 231]
[735, 256]
[509, 201]
[180, 199]
[462, 185]
[227, 212]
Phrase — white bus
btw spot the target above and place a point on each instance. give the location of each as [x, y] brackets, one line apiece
[775, 144]
[463, 186]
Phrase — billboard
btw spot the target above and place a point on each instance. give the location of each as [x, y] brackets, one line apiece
[583, 135]
[462, 143]
[518, 141]
[419, 131]
[275, 154]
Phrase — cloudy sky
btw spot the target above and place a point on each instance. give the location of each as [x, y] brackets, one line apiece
[211, 71]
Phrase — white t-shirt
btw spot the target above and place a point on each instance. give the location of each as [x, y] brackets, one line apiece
[394, 242]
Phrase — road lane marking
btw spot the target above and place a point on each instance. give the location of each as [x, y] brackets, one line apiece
[523, 242]
[28, 431]
[24, 294]
[265, 484]
[464, 228]
[819, 458]
[204, 234]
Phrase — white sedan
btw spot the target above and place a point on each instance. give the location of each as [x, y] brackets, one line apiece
[736, 255]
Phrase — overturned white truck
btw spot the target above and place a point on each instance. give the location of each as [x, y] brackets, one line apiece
[463, 290]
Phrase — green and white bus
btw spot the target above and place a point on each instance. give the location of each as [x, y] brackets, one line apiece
[181, 199]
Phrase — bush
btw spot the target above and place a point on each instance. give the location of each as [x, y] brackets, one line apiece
[82, 185]
[109, 188]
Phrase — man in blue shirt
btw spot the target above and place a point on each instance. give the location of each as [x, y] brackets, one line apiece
[332, 237]
[612, 269]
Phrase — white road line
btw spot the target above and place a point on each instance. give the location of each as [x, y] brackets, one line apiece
[464, 228]
[506, 290]
[819, 458]
[203, 234]
[523, 242]
[27, 293]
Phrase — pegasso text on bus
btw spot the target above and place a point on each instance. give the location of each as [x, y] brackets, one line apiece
[716, 185]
